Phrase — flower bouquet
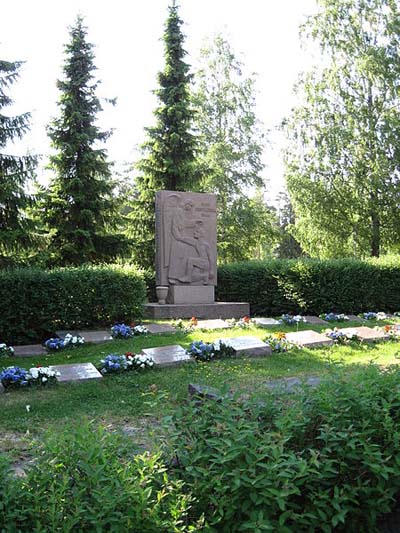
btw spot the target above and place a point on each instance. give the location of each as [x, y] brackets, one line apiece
[122, 331]
[291, 319]
[114, 364]
[56, 344]
[341, 337]
[204, 351]
[278, 342]
[334, 317]
[6, 351]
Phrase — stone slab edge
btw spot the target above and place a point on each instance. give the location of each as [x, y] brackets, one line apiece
[206, 311]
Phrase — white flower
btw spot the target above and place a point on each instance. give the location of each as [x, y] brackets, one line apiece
[28, 408]
[142, 365]
[2, 345]
[44, 379]
[34, 372]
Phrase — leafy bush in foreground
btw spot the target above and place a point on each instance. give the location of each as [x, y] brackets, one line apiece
[326, 460]
[84, 480]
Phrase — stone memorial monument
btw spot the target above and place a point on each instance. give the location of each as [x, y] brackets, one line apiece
[186, 258]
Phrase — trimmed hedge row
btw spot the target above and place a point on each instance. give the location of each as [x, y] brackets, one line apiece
[34, 303]
[312, 286]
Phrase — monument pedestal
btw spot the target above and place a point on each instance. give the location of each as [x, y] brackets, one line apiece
[199, 310]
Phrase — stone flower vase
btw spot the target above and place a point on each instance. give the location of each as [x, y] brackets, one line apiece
[162, 293]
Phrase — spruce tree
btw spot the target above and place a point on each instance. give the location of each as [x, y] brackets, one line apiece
[14, 171]
[78, 207]
[168, 153]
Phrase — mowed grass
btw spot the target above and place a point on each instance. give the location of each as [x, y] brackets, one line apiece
[140, 400]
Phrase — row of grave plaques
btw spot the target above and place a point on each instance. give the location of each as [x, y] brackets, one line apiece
[165, 356]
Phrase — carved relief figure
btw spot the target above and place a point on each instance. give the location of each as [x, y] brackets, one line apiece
[199, 268]
[177, 222]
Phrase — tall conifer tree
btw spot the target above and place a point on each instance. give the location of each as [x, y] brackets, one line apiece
[168, 161]
[78, 207]
[14, 171]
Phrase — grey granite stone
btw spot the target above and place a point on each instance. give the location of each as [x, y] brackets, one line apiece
[186, 241]
[366, 334]
[355, 318]
[188, 294]
[308, 339]
[248, 345]
[290, 385]
[168, 355]
[215, 323]
[159, 329]
[204, 392]
[78, 372]
[206, 311]
[95, 336]
[315, 320]
[29, 350]
[265, 322]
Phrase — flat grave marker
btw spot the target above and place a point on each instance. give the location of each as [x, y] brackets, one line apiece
[265, 322]
[366, 334]
[216, 323]
[29, 350]
[311, 319]
[159, 329]
[308, 339]
[168, 355]
[78, 372]
[251, 346]
[89, 336]
[355, 318]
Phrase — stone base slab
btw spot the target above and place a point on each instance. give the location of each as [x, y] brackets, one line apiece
[78, 372]
[207, 311]
[308, 339]
[366, 334]
[167, 355]
[29, 350]
[188, 294]
[251, 346]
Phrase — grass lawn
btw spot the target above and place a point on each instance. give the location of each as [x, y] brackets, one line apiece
[136, 402]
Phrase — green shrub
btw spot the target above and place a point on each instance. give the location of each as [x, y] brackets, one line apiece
[312, 286]
[328, 459]
[34, 303]
[86, 480]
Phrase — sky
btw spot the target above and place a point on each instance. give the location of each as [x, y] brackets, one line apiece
[264, 34]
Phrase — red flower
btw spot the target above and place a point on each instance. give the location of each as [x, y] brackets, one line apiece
[39, 366]
[246, 319]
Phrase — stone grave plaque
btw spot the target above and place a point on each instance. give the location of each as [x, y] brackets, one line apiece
[308, 339]
[315, 320]
[216, 323]
[354, 318]
[366, 334]
[168, 355]
[265, 322]
[291, 384]
[251, 346]
[159, 329]
[78, 372]
[29, 350]
[89, 336]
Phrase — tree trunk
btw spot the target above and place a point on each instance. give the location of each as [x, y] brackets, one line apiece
[375, 234]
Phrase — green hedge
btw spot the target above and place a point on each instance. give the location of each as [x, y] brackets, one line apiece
[34, 303]
[312, 286]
